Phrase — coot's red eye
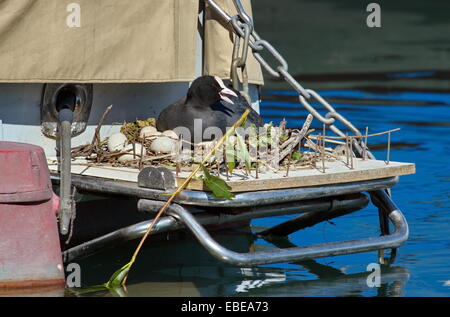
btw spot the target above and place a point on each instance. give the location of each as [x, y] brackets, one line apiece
[214, 85]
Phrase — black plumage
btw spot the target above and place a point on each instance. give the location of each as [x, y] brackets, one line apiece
[207, 99]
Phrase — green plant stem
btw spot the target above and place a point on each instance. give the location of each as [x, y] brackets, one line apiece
[182, 186]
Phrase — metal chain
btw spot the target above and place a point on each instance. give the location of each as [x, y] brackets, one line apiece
[242, 24]
[240, 61]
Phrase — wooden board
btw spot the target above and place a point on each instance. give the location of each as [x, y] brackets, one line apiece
[335, 172]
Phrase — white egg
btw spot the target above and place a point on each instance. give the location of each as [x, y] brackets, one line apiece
[148, 132]
[170, 134]
[126, 157]
[129, 148]
[137, 148]
[162, 144]
[117, 142]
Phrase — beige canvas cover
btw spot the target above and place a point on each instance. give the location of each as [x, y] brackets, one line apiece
[117, 41]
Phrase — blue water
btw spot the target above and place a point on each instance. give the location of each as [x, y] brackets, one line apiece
[179, 266]
[424, 197]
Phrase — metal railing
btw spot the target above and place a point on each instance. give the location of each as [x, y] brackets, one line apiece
[179, 217]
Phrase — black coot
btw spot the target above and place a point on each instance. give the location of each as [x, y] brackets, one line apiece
[209, 100]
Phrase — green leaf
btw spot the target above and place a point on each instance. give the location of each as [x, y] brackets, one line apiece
[231, 165]
[218, 186]
[87, 290]
[296, 156]
[118, 276]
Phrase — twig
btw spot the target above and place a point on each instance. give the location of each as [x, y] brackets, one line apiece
[363, 136]
[297, 138]
[289, 163]
[96, 138]
[323, 147]
[388, 148]
[347, 149]
[365, 144]
[142, 154]
[314, 137]
[323, 155]
[351, 153]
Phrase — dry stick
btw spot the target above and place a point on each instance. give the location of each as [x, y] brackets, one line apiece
[317, 151]
[289, 163]
[113, 154]
[351, 153]
[182, 186]
[288, 141]
[96, 138]
[299, 136]
[362, 136]
[88, 149]
[314, 137]
[282, 126]
[134, 149]
[365, 144]
[323, 155]
[388, 148]
[155, 157]
[316, 155]
[347, 150]
[323, 148]
[178, 157]
[142, 154]
[310, 144]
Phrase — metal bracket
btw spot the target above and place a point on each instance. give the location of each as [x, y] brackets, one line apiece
[156, 178]
[207, 218]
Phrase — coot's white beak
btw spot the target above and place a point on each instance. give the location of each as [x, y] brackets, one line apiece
[225, 91]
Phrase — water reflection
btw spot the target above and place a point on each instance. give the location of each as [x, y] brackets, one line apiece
[181, 267]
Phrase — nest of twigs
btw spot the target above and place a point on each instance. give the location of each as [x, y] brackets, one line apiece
[285, 143]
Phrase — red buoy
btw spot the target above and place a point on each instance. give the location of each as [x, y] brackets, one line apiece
[30, 252]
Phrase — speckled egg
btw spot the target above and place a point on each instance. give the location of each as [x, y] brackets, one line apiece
[170, 134]
[162, 144]
[117, 142]
[148, 132]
